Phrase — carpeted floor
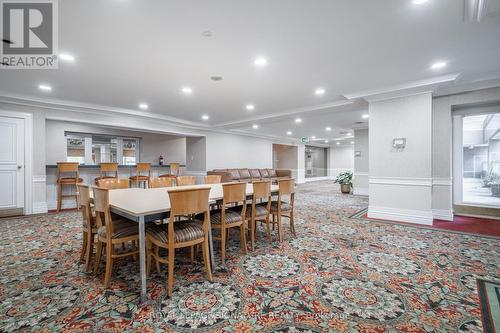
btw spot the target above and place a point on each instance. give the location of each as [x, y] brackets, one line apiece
[340, 274]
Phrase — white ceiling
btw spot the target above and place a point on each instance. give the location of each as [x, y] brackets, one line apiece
[131, 51]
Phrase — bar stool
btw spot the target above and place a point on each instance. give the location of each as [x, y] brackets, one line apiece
[173, 172]
[139, 178]
[67, 168]
[105, 169]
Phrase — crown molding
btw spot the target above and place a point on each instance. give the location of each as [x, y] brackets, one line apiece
[404, 89]
[286, 113]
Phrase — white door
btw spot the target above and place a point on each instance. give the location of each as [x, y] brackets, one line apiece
[11, 163]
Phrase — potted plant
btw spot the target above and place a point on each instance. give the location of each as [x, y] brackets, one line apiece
[495, 185]
[345, 180]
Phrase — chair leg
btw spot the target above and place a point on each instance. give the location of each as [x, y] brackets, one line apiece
[59, 197]
[89, 250]
[243, 237]
[109, 264]
[223, 244]
[84, 245]
[157, 255]
[268, 230]
[192, 254]
[98, 256]
[134, 248]
[280, 229]
[292, 225]
[170, 278]
[252, 234]
[148, 257]
[206, 259]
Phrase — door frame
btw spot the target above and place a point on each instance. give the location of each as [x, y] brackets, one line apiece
[28, 156]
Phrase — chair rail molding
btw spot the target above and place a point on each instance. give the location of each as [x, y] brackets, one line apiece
[403, 181]
[437, 181]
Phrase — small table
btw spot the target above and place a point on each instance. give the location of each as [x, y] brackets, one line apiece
[146, 205]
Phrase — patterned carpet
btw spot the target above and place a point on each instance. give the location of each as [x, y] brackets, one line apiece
[340, 274]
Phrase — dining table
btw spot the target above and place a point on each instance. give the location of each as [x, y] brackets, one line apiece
[152, 204]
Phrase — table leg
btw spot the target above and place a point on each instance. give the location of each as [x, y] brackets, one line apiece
[142, 257]
[211, 247]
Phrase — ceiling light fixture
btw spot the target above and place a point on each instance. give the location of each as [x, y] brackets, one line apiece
[328, 129]
[313, 137]
[326, 141]
[365, 116]
[255, 126]
[352, 142]
[298, 120]
[349, 134]
[260, 62]
[66, 57]
[250, 107]
[187, 90]
[45, 87]
[337, 143]
[319, 91]
[205, 117]
[438, 65]
[289, 133]
[143, 106]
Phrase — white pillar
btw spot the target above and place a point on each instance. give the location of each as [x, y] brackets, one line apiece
[361, 158]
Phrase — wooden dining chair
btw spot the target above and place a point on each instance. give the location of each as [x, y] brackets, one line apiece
[142, 175]
[174, 170]
[180, 234]
[259, 209]
[89, 225]
[213, 179]
[281, 208]
[107, 170]
[67, 175]
[113, 183]
[111, 233]
[162, 182]
[231, 217]
[185, 180]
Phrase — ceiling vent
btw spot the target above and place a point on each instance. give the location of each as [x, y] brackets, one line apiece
[474, 10]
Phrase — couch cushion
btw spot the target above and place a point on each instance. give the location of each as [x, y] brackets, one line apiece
[255, 173]
[234, 173]
[244, 173]
[272, 173]
[264, 173]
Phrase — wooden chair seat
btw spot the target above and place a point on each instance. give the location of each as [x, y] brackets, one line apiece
[70, 180]
[167, 176]
[231, 216]
[260, 210]
[285, 207]
[143, 178]
[120, 230]
[184, 232]
[96, 180]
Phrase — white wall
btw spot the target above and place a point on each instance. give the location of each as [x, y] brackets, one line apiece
[401, 181]
[361, 163]
[196, 155]
[341, 159]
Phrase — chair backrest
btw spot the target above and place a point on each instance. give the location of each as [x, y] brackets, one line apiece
[234, 193]
[261, 189]
[186, 180]
[102, 211]
[143, 167]
[162, 182]
[213, 179]
[286, 186]
[64, 167]
[113, 183]
[108, 167]
[84, 198]
[174, 169]
[188, 201]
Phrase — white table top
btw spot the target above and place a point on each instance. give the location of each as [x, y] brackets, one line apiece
[141, 202]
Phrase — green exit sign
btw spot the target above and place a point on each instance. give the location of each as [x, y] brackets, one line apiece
[304, 139]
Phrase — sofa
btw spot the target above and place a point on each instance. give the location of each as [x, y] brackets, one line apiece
[250, 175]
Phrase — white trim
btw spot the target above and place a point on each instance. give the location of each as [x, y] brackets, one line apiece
[405, 181]
[28, 156]
[442, 181]
[443, 214]
[401, 215]
[40, 208]
[39, 179]
[360, 191]
[480, 216]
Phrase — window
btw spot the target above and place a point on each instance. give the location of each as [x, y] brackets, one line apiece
[75, 148]
[130, 151]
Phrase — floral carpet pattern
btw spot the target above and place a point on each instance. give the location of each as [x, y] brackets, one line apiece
[340, 274]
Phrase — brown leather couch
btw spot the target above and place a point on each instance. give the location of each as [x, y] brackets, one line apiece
[250, 175]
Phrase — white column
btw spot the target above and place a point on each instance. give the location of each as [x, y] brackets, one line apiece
[301, 164]
[361, 158]
[401, 178]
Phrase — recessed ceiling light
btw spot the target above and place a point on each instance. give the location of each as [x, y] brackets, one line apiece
[313, 137]
[326, 141]
[260, 61]
[187, 90]
[337, 143]
[352, 142]
[419, 2]
[45, 87]
[205, 117]
[66, 57]
[438, 65]
[319, 91]
[250, 107]
[143, 106]
[349, 134]
[255, 126]
[298, 120]
[328, 129]
[289, 133]
[365, 116]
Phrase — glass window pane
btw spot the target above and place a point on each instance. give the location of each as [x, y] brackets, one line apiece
[75, 149]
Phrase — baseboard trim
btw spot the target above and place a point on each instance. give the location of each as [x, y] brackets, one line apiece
[40, 208]
[360, 190]
[401, 215]
[443, 214]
